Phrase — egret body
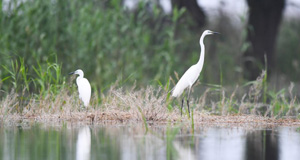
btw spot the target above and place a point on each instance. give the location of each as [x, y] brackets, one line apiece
[84, 87]
[192, 74]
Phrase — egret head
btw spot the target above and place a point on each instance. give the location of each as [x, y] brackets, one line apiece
[78, 71]
[208, 32]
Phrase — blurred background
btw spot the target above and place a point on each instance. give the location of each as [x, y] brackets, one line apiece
[147, 41]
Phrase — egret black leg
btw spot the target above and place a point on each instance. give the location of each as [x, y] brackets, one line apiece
[188, 105]
[182, 105]
[188, 101]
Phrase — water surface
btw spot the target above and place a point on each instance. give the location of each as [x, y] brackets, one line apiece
[131, 142]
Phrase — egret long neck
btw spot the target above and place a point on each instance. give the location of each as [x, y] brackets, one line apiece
[78, 79]
[201, 59]
[81, 75]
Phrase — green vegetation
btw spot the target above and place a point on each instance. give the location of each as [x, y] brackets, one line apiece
[101, 38]
[41, 41]
[288, 49]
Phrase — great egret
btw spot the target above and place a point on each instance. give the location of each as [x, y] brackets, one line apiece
[84, 87]
[192, 74]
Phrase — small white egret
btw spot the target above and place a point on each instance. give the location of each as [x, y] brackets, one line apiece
[192, 74]
[84, 87]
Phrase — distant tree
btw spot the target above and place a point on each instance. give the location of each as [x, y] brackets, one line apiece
[193, 9]
[263, 24]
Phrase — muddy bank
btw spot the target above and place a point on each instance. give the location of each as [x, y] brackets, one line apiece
[122, 117]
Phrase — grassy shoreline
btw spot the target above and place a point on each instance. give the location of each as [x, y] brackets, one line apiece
[126, 118]
[252, 104]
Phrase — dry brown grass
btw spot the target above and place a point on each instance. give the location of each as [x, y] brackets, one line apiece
[129, 105]
[117, 105]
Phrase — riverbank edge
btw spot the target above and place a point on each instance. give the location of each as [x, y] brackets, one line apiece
[127, 118]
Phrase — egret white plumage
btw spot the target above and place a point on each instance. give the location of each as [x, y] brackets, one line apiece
[192, 74]
[84, 87]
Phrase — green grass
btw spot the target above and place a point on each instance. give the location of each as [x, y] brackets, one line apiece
[101, 38]
[111, 44]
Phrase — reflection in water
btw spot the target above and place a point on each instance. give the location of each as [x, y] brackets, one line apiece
[8, 142]
[131, 143]
[262, 144]
[289, 142]
[148, 147]
[83, 146]
[222, 143]
[184, 152]
[128, 148]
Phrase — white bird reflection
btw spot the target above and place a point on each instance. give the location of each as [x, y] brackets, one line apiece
[222, 143]
[184, 152]
[83, 146]
[289, 140]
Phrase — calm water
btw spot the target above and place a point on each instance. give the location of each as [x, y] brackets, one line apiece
[162, 142]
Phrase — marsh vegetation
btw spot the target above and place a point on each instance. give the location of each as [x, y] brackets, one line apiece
[132, 60]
